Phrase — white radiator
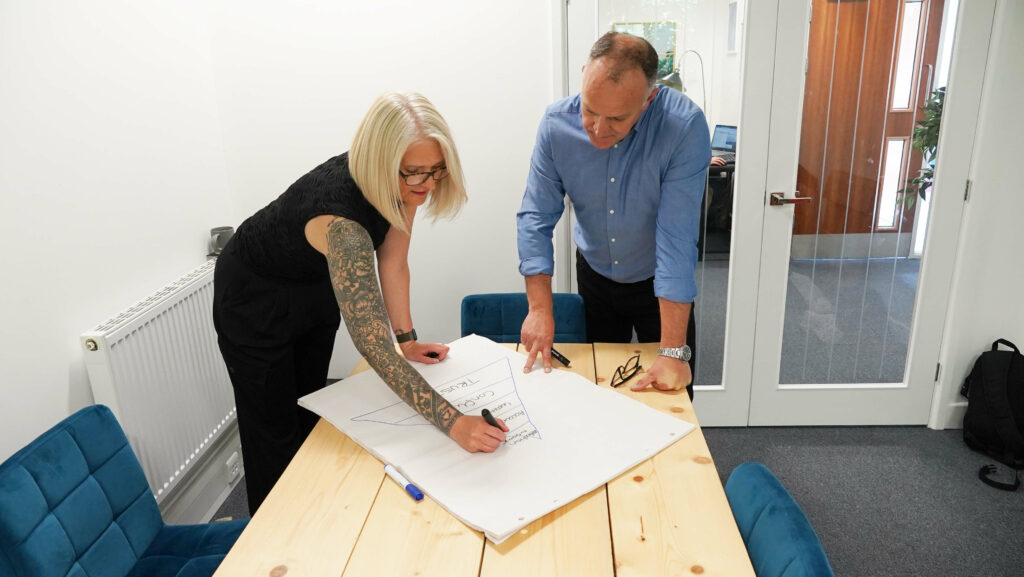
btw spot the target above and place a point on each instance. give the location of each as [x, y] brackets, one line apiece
[157, 366]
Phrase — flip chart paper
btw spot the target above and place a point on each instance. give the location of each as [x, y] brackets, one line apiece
[567, 436]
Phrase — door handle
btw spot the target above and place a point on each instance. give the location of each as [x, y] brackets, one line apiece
[779, 199]
[928, 87]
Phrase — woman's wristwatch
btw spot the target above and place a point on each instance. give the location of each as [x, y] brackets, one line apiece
[404, 337]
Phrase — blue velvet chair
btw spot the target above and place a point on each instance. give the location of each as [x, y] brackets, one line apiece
[779, 538]
[499, 316]
[76, 503]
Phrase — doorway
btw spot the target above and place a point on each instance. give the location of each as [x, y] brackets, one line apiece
[819, 317]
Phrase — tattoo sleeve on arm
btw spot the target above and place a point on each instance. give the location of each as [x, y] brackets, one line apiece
[354, 278]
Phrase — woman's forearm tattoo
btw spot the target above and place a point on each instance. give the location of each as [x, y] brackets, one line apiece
[354, 278]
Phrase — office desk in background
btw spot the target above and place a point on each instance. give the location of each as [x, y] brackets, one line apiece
[334, 513]
[716, 219]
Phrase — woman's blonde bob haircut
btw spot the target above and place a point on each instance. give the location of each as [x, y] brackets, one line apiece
[394, 122]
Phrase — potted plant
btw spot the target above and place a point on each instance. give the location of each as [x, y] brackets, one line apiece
[926, 139]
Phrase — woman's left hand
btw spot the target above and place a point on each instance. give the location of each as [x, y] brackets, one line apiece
[426, 353]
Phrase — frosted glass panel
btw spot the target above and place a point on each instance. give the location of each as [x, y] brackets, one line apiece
[852, 280]
[890, 182]
[903, 84]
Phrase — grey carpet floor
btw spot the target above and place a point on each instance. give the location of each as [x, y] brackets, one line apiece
[884, 500]
[888, 500]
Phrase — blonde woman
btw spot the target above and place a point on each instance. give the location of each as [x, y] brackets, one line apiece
[288, 271]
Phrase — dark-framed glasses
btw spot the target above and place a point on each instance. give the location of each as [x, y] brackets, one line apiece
[418, 178]
[627, 370]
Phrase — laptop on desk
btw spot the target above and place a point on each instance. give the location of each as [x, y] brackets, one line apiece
[723, 143]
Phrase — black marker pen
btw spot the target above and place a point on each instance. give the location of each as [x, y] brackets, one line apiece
[561, 358]
[489, 418]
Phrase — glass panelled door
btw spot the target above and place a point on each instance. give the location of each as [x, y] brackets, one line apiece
[844, 255]
[852, 286]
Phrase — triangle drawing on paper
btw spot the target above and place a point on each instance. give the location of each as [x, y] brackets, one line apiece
[491, 387]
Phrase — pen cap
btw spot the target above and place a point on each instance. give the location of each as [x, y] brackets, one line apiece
[416, 493]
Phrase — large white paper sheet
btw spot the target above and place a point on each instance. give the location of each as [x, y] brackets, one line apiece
[567, 436]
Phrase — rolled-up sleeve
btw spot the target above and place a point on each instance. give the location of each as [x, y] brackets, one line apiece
[679, 214]
[543, 203]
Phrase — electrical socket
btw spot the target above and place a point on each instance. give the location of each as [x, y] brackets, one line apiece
[234, 467]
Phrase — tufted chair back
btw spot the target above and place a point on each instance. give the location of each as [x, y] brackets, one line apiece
[76, 503]
[499, 316]
[779, 538]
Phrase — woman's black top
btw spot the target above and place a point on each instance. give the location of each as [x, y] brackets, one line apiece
[273, 242]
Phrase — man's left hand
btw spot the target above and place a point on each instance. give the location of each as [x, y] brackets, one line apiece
[666, 374]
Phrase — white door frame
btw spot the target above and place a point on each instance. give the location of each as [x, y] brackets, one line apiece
[569, 46]
[960, 116]
[728, 404]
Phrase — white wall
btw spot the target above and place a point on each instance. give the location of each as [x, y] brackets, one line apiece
[130, 128]
[111, 174]
[293, 85]
[987, 299]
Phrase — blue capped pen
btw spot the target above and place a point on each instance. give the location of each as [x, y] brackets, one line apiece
[403, 482]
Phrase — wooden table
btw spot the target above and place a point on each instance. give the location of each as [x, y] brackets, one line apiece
[334, 513]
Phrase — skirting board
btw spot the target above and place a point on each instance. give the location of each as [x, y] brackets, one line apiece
[203, 492]
[954, 418]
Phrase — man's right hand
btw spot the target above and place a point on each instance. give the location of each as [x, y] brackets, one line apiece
[537, 336]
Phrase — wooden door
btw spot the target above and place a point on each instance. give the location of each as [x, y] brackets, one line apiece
[861, 105]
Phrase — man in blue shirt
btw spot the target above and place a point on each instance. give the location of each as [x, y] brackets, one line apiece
[633, 159]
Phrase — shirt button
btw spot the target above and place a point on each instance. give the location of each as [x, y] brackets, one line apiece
[615, 146]
[616, 262]
[613, 240]
[613, 179]
[611, 212]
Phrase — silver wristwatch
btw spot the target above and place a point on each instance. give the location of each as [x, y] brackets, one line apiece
[682, 353]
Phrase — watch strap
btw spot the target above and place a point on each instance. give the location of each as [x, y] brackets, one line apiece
[682, 353]
[405, 337]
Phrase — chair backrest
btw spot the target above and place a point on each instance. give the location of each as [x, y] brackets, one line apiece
[779, 538]
[75, 502]
[499, 316]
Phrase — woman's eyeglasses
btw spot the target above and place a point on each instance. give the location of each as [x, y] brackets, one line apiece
[418, 178]
[627, 371]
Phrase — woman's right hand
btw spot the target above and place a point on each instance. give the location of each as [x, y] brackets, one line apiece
[426, 353]
[475, 435]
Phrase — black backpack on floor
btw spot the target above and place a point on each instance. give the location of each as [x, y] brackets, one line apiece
[994, 422]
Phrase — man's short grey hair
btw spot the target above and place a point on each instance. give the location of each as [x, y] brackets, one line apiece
[625, 52]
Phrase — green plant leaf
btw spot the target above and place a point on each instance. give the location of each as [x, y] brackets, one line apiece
[926, 140]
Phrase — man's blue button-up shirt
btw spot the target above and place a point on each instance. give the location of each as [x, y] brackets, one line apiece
[637, 203]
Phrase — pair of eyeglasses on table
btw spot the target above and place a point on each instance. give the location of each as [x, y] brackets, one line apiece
[626, 371]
